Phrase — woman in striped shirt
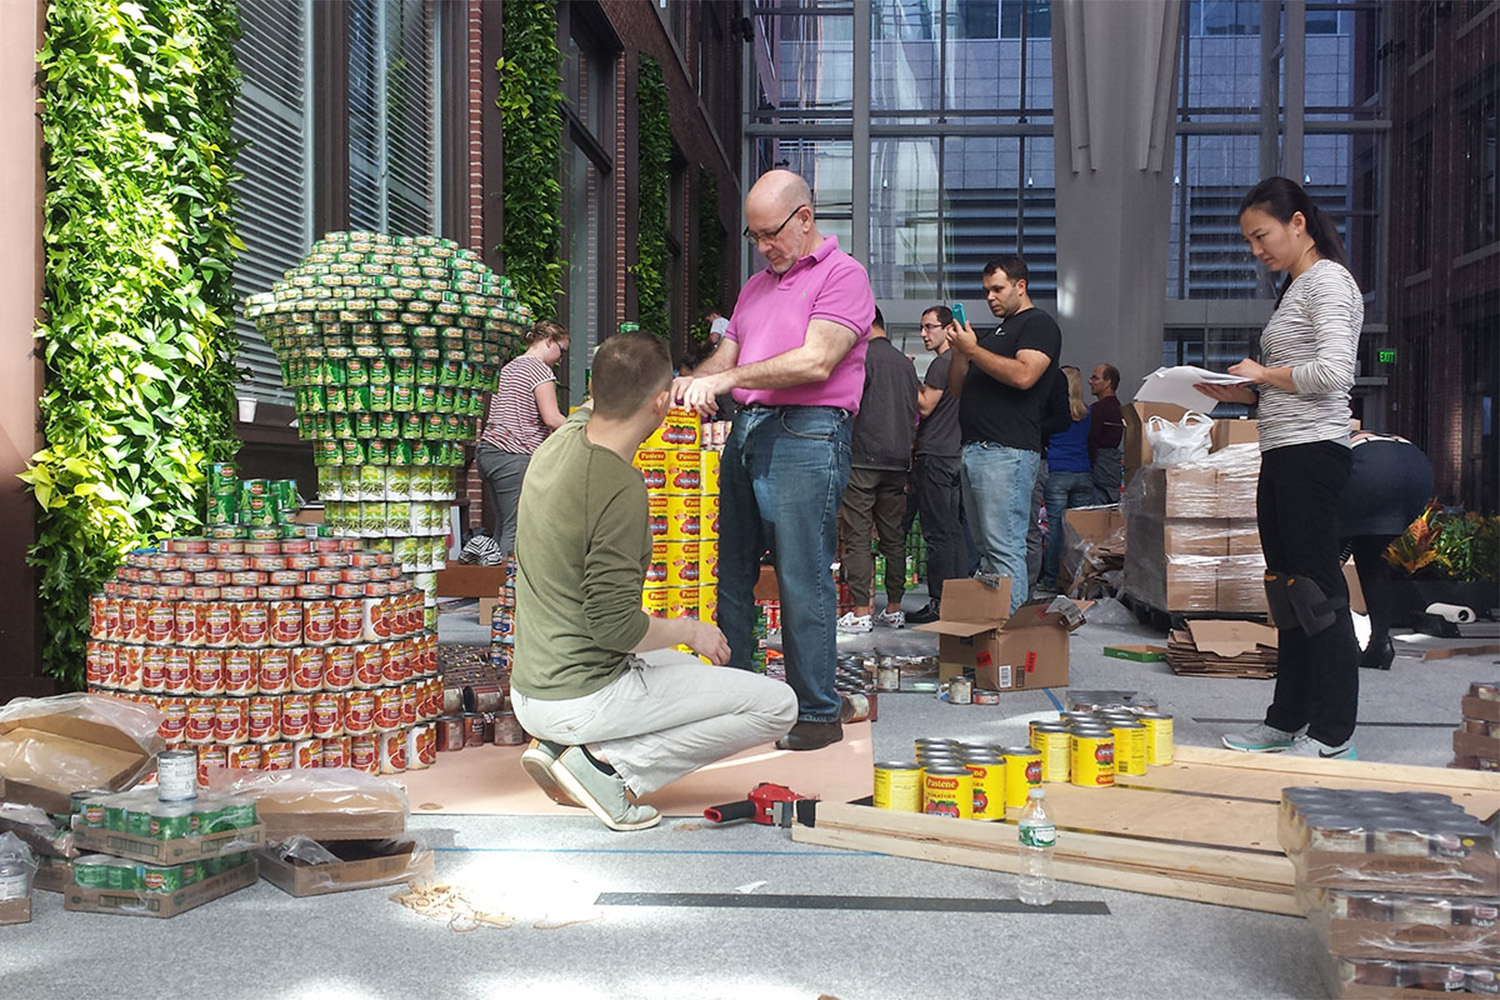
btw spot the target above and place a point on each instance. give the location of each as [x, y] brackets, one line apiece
[523, 411]
[1301, 386]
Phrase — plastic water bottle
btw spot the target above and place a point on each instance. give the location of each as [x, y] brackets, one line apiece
[1035, 885]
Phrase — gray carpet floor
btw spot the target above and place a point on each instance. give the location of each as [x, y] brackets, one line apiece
[547, 873]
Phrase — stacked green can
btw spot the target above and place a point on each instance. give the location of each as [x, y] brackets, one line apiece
[389, 344]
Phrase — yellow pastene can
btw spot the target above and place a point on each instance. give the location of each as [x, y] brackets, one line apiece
[1023, 772]
[989, 786]
[898, 786]
[1093, 758]
[1056, 745]
[1130, 748]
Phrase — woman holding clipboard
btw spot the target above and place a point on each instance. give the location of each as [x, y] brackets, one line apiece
[1301, 388]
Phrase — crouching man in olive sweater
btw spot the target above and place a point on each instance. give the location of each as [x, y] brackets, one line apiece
[614, 708]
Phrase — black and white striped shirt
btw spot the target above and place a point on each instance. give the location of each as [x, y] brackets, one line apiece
[1315, 332]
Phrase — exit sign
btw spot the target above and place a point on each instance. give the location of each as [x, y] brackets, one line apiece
[1388, 357]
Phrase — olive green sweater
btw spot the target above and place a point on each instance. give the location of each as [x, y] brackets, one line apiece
[583, 543]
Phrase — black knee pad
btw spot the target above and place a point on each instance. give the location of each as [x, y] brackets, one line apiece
[1298, 602]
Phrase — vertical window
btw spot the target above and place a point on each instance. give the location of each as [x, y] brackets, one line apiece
[1481, 197]
[588, 196]
[1419, 201]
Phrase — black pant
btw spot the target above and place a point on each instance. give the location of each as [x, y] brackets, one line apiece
[1374, 582]
[1297, 504]
[935, 480]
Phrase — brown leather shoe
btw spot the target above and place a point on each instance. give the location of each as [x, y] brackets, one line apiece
[811, 736]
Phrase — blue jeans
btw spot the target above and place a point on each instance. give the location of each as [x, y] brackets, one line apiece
[997, 484]
[1064, 490]
[781, 481]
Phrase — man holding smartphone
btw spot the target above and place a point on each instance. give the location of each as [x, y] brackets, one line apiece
[1001, 381]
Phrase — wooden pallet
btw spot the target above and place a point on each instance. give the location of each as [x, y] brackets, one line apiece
[1202, 829]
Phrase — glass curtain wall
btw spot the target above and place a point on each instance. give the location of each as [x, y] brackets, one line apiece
[957, 134]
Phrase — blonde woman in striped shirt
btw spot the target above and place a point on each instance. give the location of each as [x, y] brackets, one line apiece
[1301, 386]
[523, 410]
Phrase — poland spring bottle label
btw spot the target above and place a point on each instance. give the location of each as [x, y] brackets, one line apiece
[1038, 834]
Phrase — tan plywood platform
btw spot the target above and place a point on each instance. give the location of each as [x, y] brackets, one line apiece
[1203, 828]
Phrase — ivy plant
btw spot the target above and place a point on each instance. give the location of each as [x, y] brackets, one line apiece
[710, 251]
[654, 173]
[531, 119]
[136, 327]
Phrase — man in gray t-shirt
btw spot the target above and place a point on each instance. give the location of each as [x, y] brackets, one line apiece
[936, 466]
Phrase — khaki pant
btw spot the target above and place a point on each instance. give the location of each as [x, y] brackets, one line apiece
[666, 716]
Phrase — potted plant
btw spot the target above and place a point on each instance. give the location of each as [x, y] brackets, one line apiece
[1448, 557]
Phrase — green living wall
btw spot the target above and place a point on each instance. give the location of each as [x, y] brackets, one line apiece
[654, 154]
[530, 102]
[137, 317]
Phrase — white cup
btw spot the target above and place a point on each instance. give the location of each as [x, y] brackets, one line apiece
[247, 409]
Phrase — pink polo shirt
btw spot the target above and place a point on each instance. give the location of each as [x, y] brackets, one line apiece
[772, 314]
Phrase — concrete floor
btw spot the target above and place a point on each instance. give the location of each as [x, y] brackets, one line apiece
[260, 943]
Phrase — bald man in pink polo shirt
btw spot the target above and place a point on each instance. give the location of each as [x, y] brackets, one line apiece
[794, 357]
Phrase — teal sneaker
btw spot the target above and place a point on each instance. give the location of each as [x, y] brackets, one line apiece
[1306, 746]
[601, 794]
[1261, 738]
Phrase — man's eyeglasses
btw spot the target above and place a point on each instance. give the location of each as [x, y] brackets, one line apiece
[932, 326]
[768, 237]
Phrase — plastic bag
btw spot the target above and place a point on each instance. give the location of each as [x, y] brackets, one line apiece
[17, 868]
[58, 763]
[400, 861]
[36, 829]
[1178, 444]
[333, 789]
[1108, 611]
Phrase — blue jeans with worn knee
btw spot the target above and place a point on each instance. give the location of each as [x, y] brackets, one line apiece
[1063, 492]
[781, 481]
[997, 484]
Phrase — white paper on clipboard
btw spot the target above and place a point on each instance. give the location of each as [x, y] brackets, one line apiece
[1175, 385]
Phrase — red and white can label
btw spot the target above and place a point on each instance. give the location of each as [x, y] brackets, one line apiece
[336, 752]
[369, 664]
[387, 708]
[187, 624]
[391, 748]
[319, 623]
[275, 671]
[252, 624]
[364, 754]
[241, 671]
[208, 672]
[264, 715]
[174, 718]
[277, 757]
[296, 716]
[307, 754]
[327, 714]
[211, 758]
[308, 664]
[341, 668]
[218, 624]
[409, 703]
[247, 756]
[286, 623]
[359, 712]
[398, 658]
[350, 621]
[161, 621]
[232, 721]
[202, 718]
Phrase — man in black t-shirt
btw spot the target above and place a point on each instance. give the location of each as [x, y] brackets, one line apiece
[1001, 380]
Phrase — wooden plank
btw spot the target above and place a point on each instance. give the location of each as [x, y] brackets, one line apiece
[1403, 777]
[1180, 871]
[1166, 814]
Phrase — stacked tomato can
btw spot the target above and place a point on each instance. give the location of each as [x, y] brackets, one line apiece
[680, 466]
[272, 654]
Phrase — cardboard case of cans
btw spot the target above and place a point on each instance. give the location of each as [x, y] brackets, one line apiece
[389, 344]
[1401, 889]
[680, 466]
[272, 654]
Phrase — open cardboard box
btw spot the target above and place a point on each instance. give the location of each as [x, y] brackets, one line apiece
[344, 815]
[362, 864]
[79, 899]
[1138, 450]
[1003, 652]
[15, 911]
[46, 758]
[459, 580]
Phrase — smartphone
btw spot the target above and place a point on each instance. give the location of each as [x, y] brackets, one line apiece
[959, 314]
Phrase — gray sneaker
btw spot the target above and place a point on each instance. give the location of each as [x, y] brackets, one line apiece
[537, 761]
[602, 794]
[1306, 746]
[1261, 738]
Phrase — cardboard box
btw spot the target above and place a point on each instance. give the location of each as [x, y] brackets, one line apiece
[1385, 939]
[487, 606]
[459, 580]
[169, 852]
[53, 874]
[151, 904]
[348, 815]
[1138, 450]
[1140, 654]
[97, 756]
[1481, 708]
[1095, 525]
[1003, 652]
[1474, 745]
[1475, 875]
[1241, 594]
[1228, 432]
[15, 911]
[364, 864]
